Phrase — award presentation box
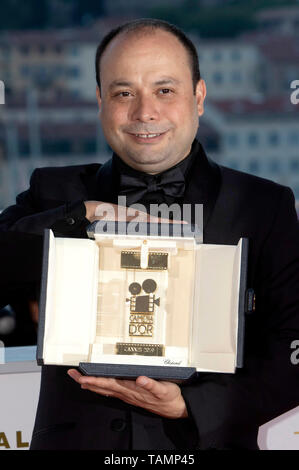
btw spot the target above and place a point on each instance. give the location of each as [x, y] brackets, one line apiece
[124, 304]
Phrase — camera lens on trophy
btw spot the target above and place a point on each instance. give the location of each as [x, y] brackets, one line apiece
[135, 288]
[149, 286]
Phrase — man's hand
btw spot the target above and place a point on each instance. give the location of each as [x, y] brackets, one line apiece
[162, 398]
[97, 210]
[33, 309]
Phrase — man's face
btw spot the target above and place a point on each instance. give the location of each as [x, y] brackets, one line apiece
[148, 109]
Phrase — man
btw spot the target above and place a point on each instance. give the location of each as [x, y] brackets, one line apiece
[150, 96]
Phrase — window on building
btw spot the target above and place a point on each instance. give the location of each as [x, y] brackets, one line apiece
[24, 148]
[58, 70]
[25, 70]
[56, 147]
[74, 72]
[24, 50]
[41, 71]
[217, 56]
[232, 139]
[293, 137]
[5, 51]
[89, 146]
[254, 166]
[294, 164]
[235, 55]
[42, 49]
[217, 78]
[74, 50]
[75, 93]
[58, 48]
[273, 138]
[211, 143]
[274, 166]
[236, 76]
[253, 139]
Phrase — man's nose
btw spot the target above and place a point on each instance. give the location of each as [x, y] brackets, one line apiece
[145, 109]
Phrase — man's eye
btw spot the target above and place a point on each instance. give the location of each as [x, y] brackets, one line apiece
[165, 91]
[124, 93]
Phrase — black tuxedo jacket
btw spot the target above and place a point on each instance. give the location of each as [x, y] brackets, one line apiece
[225, 410]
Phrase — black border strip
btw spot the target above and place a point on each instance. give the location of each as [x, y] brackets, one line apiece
[242, 296]
[43, 299]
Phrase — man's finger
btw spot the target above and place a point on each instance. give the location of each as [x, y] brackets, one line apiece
[99, 390]
[150, 385]
[33, 308]
[74, 374]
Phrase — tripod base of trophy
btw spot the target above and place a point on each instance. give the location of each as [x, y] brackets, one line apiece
[140, 349]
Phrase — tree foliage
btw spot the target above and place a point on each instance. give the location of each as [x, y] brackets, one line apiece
[15, 14]
[38, 14]
[225, 20]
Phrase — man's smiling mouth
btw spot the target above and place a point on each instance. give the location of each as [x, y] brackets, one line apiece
[147, 136]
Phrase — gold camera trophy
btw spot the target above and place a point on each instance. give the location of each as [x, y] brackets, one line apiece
[145, 311]
[123, 304]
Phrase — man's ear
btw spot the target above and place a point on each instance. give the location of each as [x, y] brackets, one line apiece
[200, 94]
[99, 98]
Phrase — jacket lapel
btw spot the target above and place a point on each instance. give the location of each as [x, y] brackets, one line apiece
[107, 182]
[203, 185]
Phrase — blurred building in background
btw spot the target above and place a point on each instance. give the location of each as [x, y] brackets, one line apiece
[40, 132]
[231, 70]
[259, 136]
[53, 63]
[51, 117]
[281, 20]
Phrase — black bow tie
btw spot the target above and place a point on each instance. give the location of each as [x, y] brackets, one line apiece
[171, 183]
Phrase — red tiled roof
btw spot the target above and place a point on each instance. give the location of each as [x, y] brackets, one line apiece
[52, 37]
[65, 101]
[59, 131]
[58, 36]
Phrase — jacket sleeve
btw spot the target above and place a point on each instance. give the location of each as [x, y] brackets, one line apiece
[27, 215]
[21, 239]
[228, 408]
[21, 265]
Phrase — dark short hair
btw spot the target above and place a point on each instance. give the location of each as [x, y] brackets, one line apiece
[148, 24]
